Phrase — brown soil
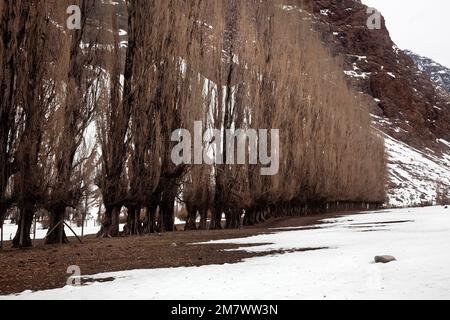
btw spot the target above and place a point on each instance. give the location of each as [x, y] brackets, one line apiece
[44, 267]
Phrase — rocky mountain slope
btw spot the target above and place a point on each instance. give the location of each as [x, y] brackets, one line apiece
[437, 72]
[394, 85]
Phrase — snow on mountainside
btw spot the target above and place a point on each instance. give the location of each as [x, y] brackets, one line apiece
[438, 73]
[391, 83]
[414, 176]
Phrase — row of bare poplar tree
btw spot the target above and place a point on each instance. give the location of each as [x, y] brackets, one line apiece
[82, 109]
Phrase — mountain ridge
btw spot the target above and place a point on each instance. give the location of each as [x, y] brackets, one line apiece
[438, 73]
[393, 85]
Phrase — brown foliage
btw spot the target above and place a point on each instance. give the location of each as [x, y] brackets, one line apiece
[230, 64]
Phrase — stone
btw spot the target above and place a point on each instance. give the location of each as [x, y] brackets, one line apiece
[384, 259]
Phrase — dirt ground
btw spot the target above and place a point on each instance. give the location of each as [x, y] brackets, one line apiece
[45, 267]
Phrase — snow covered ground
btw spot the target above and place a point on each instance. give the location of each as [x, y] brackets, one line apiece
[415, 175]
[418, 238]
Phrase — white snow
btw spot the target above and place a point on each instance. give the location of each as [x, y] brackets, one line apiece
[360, 58]
[444, 142]
[415, 175]
[354, 74]
[391, 75]
[396, 49]
[346, 270]
[291, 8]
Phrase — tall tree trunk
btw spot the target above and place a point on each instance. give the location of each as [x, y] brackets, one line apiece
[150, 221]
[132, 227]
[3, 210]
[22, 238]
[167, 211]
[216, 219]
[233, 219]
[191, 222]
[110, 225]
[249, 219]
[58, 234]
[203, 219]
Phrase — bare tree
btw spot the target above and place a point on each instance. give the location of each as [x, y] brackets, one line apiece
[12, 24]
[231, 65]
[113, 123]
[35, 91]
[74, 116]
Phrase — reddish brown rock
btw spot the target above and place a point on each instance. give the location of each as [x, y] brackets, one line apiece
[395, 86]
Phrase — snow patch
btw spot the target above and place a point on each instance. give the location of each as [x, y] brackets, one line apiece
[417, 238]
[354, 74]
[391, 75]
[414, 175]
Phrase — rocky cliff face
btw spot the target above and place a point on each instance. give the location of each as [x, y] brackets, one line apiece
[395, 87]
[438, 73]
